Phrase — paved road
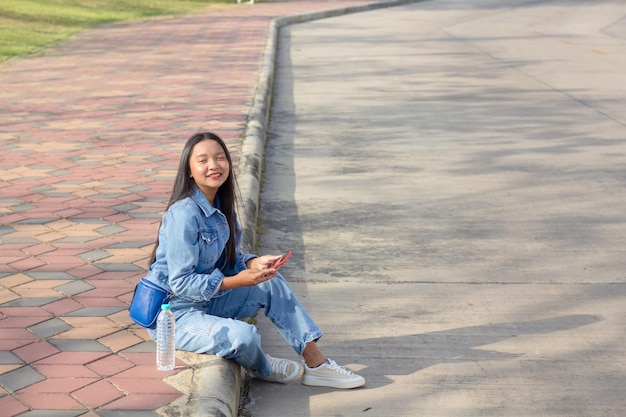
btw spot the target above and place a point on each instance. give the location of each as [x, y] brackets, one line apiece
[450, 176]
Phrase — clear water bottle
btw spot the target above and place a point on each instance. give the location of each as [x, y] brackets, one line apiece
[166, 350]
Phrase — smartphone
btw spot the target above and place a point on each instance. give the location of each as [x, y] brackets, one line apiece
[281, 261]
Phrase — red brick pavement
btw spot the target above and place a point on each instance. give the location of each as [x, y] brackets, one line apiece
[90, 136]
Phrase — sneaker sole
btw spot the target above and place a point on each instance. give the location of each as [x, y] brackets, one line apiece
[332, 383]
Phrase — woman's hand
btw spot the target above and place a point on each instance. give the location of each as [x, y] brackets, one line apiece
[263, 262]
[248, 278]
[259, 270]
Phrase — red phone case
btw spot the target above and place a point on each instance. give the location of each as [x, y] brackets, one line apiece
[281, 261]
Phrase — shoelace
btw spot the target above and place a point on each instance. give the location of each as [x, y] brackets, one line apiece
[278, 366]
[340, 369]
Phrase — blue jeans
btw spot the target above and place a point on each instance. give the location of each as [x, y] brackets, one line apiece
[213, 327]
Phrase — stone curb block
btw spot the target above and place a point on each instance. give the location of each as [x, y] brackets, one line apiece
[216, 389]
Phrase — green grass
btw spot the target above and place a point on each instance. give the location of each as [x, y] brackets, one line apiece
[28, 25]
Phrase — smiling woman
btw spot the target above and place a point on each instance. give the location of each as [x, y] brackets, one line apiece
[213, 284]
[28, 25]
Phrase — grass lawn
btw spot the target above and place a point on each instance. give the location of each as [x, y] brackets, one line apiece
[28, 25]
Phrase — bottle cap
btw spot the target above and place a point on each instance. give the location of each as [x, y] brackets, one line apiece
[165, 307]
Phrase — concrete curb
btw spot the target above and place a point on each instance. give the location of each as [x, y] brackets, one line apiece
[216, 390]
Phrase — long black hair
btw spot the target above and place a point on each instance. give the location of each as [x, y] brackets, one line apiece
[227, 193]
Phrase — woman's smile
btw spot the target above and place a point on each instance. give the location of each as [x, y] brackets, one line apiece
[209, 167]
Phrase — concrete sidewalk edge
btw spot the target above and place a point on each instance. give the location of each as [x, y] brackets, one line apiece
[216, 384]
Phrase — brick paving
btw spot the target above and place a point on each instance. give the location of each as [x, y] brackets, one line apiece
[90, 135]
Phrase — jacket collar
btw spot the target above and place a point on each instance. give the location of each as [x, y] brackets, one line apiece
[198, 196]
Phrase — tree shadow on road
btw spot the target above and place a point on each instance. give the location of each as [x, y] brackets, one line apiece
[463, 344]
[386, 358]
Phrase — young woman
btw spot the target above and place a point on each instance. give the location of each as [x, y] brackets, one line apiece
[197, 258]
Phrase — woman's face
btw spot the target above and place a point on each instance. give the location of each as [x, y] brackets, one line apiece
[209, 167]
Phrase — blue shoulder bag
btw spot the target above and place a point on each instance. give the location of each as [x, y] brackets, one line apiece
[146, 303]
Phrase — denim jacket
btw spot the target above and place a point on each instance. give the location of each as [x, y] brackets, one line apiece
[190, 260]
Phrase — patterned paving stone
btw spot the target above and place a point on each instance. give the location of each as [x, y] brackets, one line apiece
[94, 255]
[20, 378]
[65, 371]
[58, 385]
[96, 311]
[21, 322]
[47, 401]
[11, 407]
[110, 365]
[49, 328]
[98, 394]
[30, 302]
[87, 328]
[120, 340]
[60, 275]
[8, 358]
[11, 344]
[7, 296]
[3, 370]
[112, 267]
[78, 345]
[61, 307]
[93, 300]
[35, 351]
[65, 358]
[73, 288]
[84, 271]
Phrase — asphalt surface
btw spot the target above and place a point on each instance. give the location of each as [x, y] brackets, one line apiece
[450, 176]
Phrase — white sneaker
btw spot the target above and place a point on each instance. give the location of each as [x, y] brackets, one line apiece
[283, 371]
[329, 374]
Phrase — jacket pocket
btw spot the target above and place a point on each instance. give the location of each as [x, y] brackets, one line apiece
[209, 247]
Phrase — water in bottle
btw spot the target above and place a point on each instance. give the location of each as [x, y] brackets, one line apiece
[166, 351]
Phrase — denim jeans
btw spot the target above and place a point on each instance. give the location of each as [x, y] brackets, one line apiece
[213, 328]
